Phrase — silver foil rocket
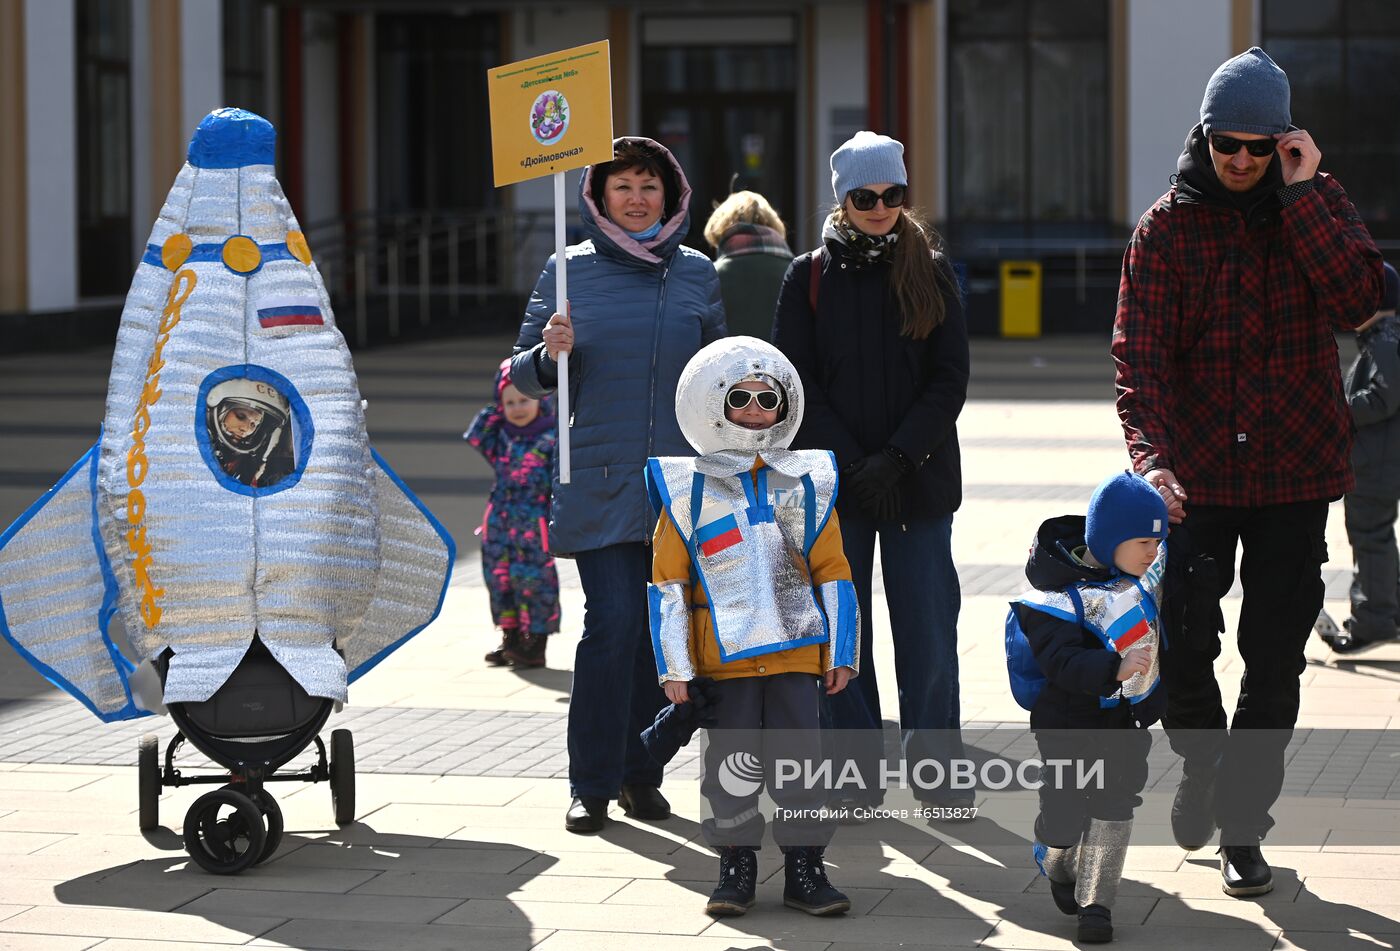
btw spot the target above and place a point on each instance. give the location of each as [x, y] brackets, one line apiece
[233, 491]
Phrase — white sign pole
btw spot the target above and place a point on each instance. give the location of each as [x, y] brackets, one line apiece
[561, 305]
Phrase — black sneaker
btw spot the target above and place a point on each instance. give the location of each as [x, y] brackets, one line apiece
[1346, 641]
[1193, 810]
[806, 887]
[586, 814]
[1244, 871]
[1095, 925]
[738, 875]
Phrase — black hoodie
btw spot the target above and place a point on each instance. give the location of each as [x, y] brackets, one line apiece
[1077, 667]
[1197, 183]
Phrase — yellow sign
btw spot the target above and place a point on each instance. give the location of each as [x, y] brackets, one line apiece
[551, 113]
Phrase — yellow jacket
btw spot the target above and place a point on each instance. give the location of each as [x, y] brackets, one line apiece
[671, 562]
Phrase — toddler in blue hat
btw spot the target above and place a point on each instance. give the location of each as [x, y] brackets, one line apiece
[1092, 620]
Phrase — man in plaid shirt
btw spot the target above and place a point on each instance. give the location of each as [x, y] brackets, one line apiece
[1229, 389]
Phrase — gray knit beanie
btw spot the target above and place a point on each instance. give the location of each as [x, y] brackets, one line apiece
[867, 158]
[1248, 93]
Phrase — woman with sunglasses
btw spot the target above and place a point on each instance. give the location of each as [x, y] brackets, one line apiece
[873, 322]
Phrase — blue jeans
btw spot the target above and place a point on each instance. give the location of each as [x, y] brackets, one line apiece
[615, 693]
[924, 598]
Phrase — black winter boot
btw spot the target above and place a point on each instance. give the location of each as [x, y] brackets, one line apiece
[738, 874]
[1095, 924]
[806, 887]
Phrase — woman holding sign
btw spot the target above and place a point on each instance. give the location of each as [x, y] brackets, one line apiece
[640, 306]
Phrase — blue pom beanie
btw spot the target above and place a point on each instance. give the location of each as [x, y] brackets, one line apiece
[1124, 506]
[867, 158]
[1248, 93]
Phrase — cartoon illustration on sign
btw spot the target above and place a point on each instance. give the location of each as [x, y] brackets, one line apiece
[549, 117]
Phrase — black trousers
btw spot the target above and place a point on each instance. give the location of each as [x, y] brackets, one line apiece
[1375, 601]
[1064, 806]
[1284, 547]
[762, 720]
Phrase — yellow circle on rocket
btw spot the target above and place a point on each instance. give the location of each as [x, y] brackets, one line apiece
[241, 254]
[296, 243]
[175, 250]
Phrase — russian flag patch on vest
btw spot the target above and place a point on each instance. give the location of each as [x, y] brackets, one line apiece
[715, 536]
[289, 312]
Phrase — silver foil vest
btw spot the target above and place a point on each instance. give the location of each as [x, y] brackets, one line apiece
[1122, 613]
[737, 531]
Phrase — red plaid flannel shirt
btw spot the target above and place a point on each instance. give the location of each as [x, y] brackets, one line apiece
[1227, 367]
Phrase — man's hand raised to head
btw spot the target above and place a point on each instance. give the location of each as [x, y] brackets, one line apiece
[1303, 166]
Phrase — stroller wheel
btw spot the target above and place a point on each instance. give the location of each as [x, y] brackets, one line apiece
[224, 832]
[272, 817]
[343, 776]
[148, 773]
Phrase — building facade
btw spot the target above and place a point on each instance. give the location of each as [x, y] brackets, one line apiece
[1035, 129]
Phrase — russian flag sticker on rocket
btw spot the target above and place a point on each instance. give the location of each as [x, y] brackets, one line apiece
[289, 312]
[717, 534]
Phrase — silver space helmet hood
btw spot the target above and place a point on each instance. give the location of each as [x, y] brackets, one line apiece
[709, 376]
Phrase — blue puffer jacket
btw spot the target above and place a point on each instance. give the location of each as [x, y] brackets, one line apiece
[640, 312]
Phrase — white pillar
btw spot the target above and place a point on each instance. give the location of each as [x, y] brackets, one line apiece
[1172, 50]
[51, 154]
[201, 62]
[320, 119]
[144, 207]
[840, 93]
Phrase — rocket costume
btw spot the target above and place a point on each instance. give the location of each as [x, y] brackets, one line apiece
[1080, 620]
[751, 587]
[233, 492]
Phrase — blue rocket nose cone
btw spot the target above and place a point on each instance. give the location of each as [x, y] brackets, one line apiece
[232, 138]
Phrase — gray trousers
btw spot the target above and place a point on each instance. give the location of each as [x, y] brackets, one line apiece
[1375, 600]
[762, 720]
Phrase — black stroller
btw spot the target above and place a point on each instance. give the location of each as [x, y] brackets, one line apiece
[252, 726]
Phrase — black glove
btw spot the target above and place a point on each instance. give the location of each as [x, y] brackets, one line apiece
[874, 484]
[887, 507]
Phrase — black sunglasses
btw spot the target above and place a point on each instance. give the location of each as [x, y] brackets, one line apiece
[1226, 145]
[766, 399]
[863, 199]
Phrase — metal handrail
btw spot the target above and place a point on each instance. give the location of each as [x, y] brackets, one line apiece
[423, 255]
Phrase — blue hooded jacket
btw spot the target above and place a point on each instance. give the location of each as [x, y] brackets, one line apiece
[640, 311]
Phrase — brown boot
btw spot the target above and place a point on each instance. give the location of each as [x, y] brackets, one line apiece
[498, 657]
[527, 650]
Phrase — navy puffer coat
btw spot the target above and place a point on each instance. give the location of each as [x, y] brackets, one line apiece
[640, 311]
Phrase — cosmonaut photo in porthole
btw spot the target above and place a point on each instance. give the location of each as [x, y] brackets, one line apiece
[250, 427]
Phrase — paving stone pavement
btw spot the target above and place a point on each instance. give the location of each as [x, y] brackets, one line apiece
[459, 843]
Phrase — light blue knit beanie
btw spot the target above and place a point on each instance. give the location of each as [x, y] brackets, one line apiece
[1124, 506]
[867, 158]
[1248, 93]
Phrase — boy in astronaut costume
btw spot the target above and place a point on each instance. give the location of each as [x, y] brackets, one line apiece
[752, 588]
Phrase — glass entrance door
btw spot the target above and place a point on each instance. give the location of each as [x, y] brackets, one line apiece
[728, 113]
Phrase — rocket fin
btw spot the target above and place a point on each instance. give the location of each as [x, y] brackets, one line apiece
[58, 594]
[416, 556]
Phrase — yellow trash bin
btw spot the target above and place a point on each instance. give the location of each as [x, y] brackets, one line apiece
[1020, 298]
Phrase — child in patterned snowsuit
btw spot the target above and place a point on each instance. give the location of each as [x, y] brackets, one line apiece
[517, 435]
